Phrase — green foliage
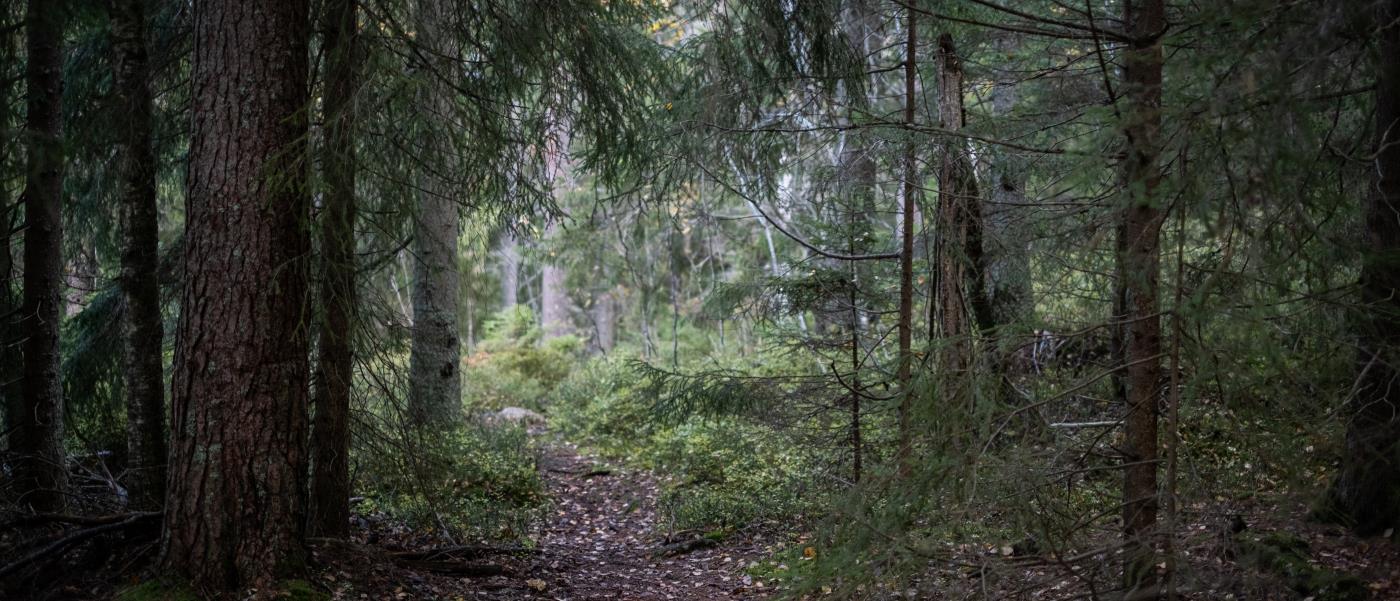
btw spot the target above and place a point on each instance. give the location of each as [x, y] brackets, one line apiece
[478, 481]
[722, 471]
[156, 590]
[511, 367]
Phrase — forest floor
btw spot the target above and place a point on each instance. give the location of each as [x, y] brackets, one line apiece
[601, 539]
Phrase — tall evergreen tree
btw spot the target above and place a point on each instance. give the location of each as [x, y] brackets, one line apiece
[142, 330]
[38, 436]
[1367, 491]
[235, 508]
[330, 429]
[435, 371]
[1138, 266]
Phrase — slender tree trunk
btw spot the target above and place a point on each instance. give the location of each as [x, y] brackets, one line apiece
[605, 320]
[1367, 492]
[42, 477]
[906, 256]
[1140, 257]
[236, 504]
[435, 376]
[330, 428]
[510, 270]
[142, 329]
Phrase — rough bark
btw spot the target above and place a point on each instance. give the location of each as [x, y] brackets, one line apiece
[435, 375]
[906, 256]
[1139, 257]
[41, 476]
[236, 504]
[142, 330]
[1367, 491]
[330, 428]
[958, 294]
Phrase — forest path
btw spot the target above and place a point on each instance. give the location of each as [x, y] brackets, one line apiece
[603, 537]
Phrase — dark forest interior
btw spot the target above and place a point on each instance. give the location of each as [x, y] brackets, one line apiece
[700, 299]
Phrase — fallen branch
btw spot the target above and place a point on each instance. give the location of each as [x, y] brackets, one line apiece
[74, 538]
[64, 518]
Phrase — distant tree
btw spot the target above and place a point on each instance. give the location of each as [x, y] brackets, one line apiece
[330, 428]
[142, 331]
[38, 436]
[235, 508]
[1367, 491]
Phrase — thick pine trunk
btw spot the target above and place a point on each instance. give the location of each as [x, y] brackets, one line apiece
[1139, 257]
[142, 330]
[41, 474]
[435, 376]
[236, 504]
[330, 429]
[959, 298]
[1367, 492]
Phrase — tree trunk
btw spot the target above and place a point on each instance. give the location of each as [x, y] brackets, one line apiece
[1139, 258]
[142, 330]
[906, 255]
[510, 270]
[435, 376]
[11, 398]
[1005, 246]
[555, 305]
[1367, 492]
[42, 476]
[330, 429]
[235, 509]
[958, 295]
[605, 320]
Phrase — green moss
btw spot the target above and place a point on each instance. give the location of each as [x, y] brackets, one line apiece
[300, 590]
[155, 590]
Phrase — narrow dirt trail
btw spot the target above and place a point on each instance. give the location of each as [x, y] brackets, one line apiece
[602, 540]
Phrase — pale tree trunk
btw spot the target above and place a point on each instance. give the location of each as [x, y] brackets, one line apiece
[236, 504]
[142, 330]
[41, 476]
[330, 429]
[1367, 492]
[604, 312]
[1139, 259]
[509, 254]
[1005, 245]
[556, 308]
[435, 377]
